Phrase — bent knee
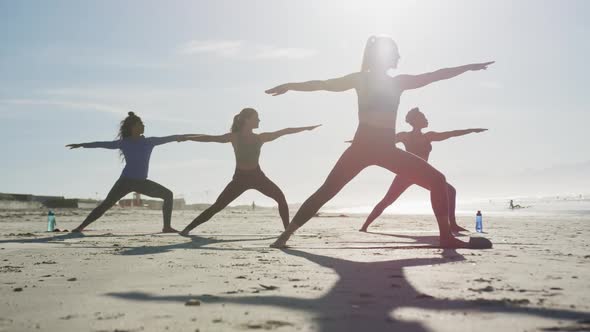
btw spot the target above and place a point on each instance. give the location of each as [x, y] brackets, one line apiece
[451, 189]
[280, 198]
[167, 195]
[439, 179]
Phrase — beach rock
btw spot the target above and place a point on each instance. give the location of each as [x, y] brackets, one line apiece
[192, 302]
[269, 287]
[267, 325]
[485, 289]
[45, 262]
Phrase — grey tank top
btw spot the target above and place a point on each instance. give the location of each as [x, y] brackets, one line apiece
[378, 94]
[247, 152]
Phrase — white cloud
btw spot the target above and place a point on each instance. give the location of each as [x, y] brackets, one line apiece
[289, 53]
[78, 105]
[88, 106]
[243, 50]
[218, 47]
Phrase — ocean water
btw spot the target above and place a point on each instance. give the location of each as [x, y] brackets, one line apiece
[554, 205]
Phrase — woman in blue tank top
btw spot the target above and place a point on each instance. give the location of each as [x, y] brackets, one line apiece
[136, 149]
[378, 98]
[248, 174]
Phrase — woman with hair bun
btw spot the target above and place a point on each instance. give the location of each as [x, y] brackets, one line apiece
[379, 95]
[248, 174]
[420, 144]
[136, 150]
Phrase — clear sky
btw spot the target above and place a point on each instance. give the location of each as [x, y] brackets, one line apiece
[70, 70]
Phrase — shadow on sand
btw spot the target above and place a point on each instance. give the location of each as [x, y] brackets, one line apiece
[365, 295]
[195, 242]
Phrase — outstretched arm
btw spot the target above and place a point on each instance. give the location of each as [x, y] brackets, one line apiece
[335, 85]
[267, 137]
[167, 139]
[408, 82]
[434, 136]
[225, 138]
[104, 145]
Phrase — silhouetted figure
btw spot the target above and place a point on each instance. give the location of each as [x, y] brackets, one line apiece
[512, 206]
[248, 174]
[420, 144]
[378, 99]
[136, 149]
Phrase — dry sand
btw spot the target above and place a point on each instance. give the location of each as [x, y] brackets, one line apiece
[123, 276]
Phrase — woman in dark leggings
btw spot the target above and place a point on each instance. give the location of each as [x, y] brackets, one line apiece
[420, 144]
[374, 142]
[248, 174]
[136, 149]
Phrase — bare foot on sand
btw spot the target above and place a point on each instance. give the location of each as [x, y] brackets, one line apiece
[184, 233]
[279, 245]
[364, 229]
[169, 230]
[456, 229]
[77, 230]
[281, 242]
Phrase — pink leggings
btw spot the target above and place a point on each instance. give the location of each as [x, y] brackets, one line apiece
[375, 146]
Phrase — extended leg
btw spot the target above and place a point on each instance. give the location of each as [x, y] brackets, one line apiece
[231, 192]
[346, 168]
[398, 186]
[119, 190]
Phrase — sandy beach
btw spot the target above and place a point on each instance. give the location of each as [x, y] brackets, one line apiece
[124, 276]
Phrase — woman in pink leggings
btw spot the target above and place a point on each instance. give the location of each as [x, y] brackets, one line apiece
[374, 142]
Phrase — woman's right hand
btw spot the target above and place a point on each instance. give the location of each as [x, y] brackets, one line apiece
[480, 66]
[74, 146]
[278, 90]
[312, 127]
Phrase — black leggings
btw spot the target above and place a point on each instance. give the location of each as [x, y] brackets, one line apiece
[123, 187]
[242, 181]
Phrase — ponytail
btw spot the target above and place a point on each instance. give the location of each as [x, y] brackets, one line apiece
[373, 47]
[239, 119]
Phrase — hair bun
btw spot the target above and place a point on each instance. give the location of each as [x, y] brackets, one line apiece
[131, 114]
